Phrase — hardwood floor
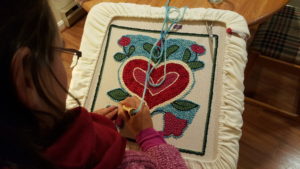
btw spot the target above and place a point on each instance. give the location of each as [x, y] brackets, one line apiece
[270, 140]
[72, 38]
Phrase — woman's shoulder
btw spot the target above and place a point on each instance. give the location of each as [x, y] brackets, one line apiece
[90, 136]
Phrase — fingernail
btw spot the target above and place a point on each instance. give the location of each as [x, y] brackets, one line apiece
[113, 106]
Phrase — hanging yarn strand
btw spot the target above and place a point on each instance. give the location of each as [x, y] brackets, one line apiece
[168, 24]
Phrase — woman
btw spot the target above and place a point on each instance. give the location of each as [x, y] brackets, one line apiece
[35, 129]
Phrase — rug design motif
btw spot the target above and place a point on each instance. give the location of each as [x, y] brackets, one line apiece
[182, 60]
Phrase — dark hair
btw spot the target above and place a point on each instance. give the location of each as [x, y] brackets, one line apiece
[25, 23]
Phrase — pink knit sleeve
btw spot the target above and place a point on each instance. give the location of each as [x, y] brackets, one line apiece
[164, 155]
[149, 138]
[156, 153]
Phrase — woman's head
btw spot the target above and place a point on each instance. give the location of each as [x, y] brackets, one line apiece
[33, 79]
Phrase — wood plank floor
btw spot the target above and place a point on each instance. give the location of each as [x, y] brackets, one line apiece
[72, 37]
[270, 140]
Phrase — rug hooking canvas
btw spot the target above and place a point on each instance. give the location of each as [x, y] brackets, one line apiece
[187, 106]
[179, 99]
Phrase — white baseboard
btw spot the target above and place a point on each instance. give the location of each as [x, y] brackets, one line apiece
[61, 25]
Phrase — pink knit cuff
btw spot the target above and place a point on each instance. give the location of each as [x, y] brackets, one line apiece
[149, 138]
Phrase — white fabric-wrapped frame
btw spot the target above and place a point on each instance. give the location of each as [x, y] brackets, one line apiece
[230, 120]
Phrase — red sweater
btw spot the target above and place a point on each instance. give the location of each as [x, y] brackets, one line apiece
[92, 142]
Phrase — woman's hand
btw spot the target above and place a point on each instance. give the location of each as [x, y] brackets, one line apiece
[110, 112]
[133, 125]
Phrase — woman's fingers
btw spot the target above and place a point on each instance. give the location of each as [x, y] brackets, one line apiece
[133, 124]
[135, 102]
[129, 102]
[109, 112]
[110, 109]
[111, 115]
[145, 109]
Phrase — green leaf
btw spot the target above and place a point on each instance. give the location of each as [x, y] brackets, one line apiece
[155, 60]
[148, 47]
[118, 94]
[131, 50]
[184, 105]
[186, 55]
[119, 56]
[156, 52]
[196, 64]
[172, 49]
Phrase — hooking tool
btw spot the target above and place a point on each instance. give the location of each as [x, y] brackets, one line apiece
[131, 111]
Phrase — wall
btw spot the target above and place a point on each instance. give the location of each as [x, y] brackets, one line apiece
[56, 5]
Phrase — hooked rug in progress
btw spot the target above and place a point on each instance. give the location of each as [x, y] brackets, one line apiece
[198, 102]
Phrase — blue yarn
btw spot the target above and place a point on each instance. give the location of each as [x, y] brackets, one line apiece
[186, 115]
[166, 28]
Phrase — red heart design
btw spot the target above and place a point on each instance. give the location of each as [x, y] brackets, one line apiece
[177, 80]
[140, 75]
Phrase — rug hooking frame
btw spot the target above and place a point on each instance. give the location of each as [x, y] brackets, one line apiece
[235, 57]
[211, 85]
